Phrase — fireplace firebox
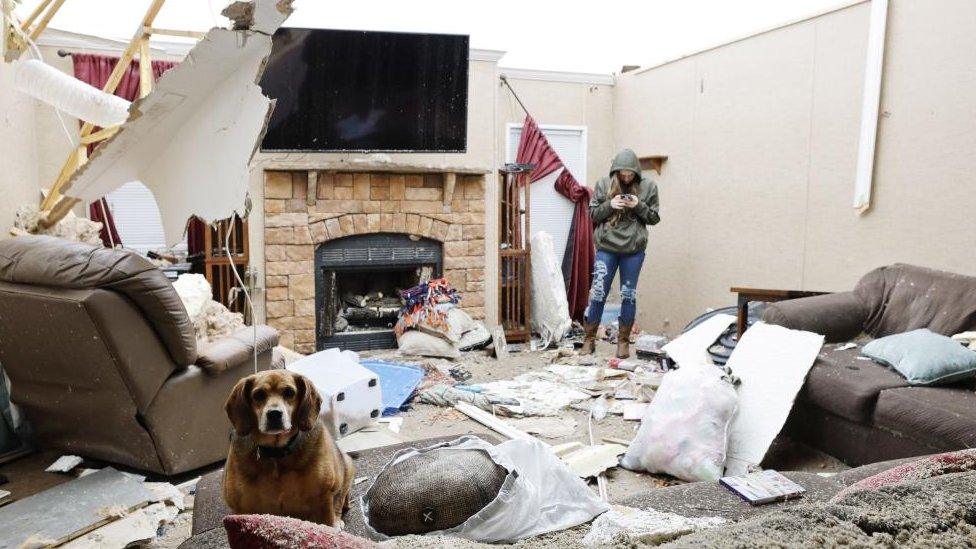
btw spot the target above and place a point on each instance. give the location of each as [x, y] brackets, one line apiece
[357, 283]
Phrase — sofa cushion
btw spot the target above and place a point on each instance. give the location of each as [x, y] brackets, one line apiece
[842, 384]
[900, 298]
[924, 357]
[227, 352]
[942, 418]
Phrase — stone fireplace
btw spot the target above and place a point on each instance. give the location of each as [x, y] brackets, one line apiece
[335, 235]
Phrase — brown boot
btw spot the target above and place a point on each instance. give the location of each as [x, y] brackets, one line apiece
[589, 340]
[623, 341]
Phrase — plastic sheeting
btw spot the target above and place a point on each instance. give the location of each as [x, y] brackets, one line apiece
[684, 432]
[550, 309]
[539, 495]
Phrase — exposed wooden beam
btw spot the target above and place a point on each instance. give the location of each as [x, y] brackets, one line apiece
[175, 32]
[48, 15]
[145, 67]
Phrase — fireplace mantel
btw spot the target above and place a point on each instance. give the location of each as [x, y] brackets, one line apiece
[314, 167]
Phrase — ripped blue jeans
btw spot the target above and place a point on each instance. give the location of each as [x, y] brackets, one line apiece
[604, 270]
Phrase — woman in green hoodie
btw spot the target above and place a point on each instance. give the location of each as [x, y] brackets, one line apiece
[622, 206]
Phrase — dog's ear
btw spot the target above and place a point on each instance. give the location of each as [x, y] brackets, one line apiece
[309, 403]
[239, 408]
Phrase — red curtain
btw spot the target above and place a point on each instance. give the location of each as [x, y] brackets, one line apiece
[534, 148]
[580, 250]
[580, 253]
[95, 70]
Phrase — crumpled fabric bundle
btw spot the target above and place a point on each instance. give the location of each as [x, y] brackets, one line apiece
[426, 304]
[447, 396]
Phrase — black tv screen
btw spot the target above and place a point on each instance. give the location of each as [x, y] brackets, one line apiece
[340, 90]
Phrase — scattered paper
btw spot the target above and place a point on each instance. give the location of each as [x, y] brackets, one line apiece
[846, 346]
[64, 464]
[547, 426]
[692, 346]
[165, 492]
[634, 411]
[392, 423]
[590, 461]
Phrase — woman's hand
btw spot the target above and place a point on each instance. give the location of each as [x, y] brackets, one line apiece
[622, 201]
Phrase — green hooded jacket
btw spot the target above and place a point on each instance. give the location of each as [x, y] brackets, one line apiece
[625, 233]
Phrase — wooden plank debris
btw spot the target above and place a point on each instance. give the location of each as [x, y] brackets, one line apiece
[492, 422]
[72, 509]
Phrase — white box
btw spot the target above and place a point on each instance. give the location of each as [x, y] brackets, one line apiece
[351, 395]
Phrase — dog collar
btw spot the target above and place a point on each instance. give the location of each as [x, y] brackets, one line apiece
[278, 452]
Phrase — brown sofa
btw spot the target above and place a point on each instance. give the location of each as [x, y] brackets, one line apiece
[104, 362]
[860, 411]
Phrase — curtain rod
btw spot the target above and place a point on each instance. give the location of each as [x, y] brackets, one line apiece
[515, 95]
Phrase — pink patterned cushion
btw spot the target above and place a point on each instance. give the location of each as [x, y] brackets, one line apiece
[274, 532]
[932, 466]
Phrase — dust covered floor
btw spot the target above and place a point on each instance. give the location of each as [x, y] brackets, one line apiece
[422, 421]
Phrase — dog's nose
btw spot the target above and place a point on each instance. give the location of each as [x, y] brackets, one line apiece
[274, 418]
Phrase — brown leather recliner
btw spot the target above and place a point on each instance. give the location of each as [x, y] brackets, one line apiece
[103, 359]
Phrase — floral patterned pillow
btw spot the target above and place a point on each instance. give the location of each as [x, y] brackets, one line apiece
[274, 532]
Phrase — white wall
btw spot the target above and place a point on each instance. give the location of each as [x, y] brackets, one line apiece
[18, 150]
[761, 136]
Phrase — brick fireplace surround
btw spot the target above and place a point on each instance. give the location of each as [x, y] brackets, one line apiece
[304, 208]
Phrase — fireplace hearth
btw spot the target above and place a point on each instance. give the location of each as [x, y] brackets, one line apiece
[314, 214]
[357, 284]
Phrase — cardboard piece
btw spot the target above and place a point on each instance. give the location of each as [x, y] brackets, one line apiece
[590, 461]
[772, 363]
[191, 139]
[71, 509]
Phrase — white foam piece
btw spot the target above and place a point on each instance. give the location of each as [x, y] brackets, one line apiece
[68, 94]
[772, 363]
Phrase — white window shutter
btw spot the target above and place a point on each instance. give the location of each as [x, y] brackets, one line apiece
[137, 218]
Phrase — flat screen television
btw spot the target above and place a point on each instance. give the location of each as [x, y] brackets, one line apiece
[341, 90]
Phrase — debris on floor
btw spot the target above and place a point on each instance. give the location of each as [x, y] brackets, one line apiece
[397, 381]
[623, 524]
[352, 398]
[537, 495]
[63, 513]
[590, 461]
[64, 464]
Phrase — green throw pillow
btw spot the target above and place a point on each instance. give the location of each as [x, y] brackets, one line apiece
[923, 357]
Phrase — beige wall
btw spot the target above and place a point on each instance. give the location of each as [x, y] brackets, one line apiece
[18, 151]
[761, 136]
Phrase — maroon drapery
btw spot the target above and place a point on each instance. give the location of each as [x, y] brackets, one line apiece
[534, 148]
[95, 70]
[580, 253]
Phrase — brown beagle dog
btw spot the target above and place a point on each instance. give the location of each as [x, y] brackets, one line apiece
[282, 459]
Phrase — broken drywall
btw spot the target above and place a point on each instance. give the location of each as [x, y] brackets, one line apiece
[772, 362]
[71, 227]
[191, 139]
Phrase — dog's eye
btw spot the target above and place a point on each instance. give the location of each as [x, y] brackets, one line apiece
[288, 392]
[259, 395]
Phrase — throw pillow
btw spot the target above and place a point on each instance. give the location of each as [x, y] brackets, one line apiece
[274, 532]
[923, 357]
